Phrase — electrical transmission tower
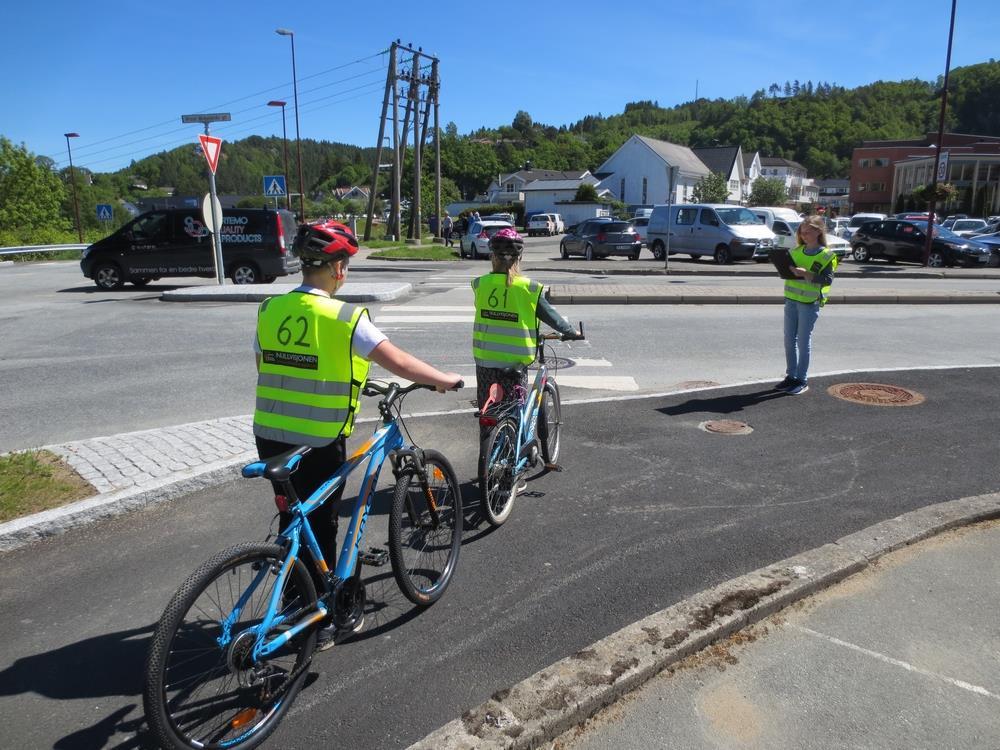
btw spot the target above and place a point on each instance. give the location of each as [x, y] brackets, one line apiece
[411, 80]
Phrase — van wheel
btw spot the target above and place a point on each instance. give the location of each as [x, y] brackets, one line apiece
[140, 280]
[108, 276]
[722, 256]
[244, 273]
[659, 250]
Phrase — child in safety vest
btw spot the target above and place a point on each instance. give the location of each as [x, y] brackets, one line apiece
[505, 332]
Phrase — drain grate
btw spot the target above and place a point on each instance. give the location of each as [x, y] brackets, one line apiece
[875, 394]
[726, 427]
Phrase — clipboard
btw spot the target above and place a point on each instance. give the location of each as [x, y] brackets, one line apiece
[782, 261]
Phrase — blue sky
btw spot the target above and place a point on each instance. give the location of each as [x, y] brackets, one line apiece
[121, 73]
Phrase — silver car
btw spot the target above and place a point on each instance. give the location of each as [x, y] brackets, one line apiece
[476, 240]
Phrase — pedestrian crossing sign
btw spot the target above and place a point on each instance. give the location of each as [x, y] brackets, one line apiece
[105, 212]
[274, 186]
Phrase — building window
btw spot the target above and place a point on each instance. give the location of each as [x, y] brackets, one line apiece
[621, 190]
[865, 163]
[509, 187]
[862, 187]
[881, 162]
[643, 191]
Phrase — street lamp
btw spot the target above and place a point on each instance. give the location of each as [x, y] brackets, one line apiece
[72, 179]
[298, 143]
[284, 140]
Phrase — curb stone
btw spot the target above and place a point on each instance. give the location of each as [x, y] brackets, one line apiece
[28, 529]
[562, 696]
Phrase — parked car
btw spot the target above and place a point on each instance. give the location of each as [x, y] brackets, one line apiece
[836, 225]
[557, 220]
[476, 240]
[640, 224]
[895, 240]
[785, 236]
[968, 227]
[174, 243]
[509, 218]
[856, 221]
[722, 231]
[992, 243]
[599, 238]
[541, 224]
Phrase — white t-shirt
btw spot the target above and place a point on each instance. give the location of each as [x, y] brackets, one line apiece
[366, 335]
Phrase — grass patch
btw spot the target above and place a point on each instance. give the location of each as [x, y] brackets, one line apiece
[37, 480]
[425, 252]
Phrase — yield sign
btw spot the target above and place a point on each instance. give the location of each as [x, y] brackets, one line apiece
[211, 147]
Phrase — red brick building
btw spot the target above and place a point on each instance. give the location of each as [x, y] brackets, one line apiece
[873, 165]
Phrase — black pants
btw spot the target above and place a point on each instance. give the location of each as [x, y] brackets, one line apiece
[312, 471]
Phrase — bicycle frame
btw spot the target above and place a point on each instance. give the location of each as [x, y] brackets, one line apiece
[386, 442]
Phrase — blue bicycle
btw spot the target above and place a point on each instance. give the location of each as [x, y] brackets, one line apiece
[233, 646]
[523, 430]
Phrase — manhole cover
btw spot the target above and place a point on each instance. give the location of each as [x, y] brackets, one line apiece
[688, 385]
[875, 394]
[726, 427]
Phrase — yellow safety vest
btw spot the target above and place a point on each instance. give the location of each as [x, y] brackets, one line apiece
[309, 382]
[505, 331]
[801, 290]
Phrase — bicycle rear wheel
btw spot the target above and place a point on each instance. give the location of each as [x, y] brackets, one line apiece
[203, 687]
[497, 482]
[424, 544]
[550, 422]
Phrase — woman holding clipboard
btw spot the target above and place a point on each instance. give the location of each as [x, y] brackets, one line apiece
[808, 276]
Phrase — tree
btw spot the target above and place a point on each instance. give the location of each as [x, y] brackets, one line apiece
[586, 192]
[30, 196]
[768, 192]
[711, 189]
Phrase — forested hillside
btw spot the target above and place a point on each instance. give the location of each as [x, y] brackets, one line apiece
[817, 124]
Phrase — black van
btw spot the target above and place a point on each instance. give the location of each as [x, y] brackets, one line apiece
[256, 247]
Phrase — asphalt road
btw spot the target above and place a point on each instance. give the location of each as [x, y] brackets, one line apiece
[79, 363]
[588, 551]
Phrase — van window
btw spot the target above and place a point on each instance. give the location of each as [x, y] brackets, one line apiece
[709, 218]
[151, 228]
[685, 216]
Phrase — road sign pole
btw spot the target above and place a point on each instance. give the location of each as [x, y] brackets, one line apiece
[220, 274]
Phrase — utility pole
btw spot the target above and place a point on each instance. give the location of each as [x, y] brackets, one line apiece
[394, 227]
[932, 203]
[390, 84]
[437, 148]
[414, 92]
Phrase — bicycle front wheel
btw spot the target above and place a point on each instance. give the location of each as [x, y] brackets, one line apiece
[550, 422]
[425, 530]
[497, 482]
[204, 688]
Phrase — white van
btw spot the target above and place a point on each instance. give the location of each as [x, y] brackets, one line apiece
[767, 214]
[721, 230]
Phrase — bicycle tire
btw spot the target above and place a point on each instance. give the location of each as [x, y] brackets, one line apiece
[497, 482]
[424, 554]
[550, 422]
[249, 700]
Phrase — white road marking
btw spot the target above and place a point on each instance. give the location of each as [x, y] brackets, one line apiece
[598, 382]
[427, 308]
[379, 319]
[897, 663]
[590, 362]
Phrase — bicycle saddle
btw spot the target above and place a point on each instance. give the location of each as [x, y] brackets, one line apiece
[277, 468]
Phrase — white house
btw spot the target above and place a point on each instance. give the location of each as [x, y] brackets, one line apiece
[801, 189]
[727, 161]
[541, 196]
[751, 171]
[637, 172]
[508, 188]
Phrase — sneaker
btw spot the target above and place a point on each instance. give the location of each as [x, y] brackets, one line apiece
[797, 388]
[788, 382]
[326, 637]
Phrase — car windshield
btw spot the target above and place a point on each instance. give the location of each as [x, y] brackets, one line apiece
[939, 231]
[737, 216]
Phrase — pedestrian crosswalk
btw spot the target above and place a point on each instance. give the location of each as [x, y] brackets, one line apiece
[578, 364]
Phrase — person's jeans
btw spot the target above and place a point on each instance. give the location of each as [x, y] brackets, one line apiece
[800, 319]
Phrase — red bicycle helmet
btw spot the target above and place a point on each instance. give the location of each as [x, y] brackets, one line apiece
[316, 244]
[507, 240]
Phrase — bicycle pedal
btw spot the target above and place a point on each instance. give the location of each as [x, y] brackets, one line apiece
[553, 467]
[374, 556]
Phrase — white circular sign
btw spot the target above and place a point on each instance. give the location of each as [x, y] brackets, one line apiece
[206, 211]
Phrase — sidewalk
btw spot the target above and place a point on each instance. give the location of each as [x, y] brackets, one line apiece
[902, 655]
[899, 651]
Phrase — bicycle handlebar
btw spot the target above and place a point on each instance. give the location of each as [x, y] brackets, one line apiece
[564, 336]
[394, 390]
